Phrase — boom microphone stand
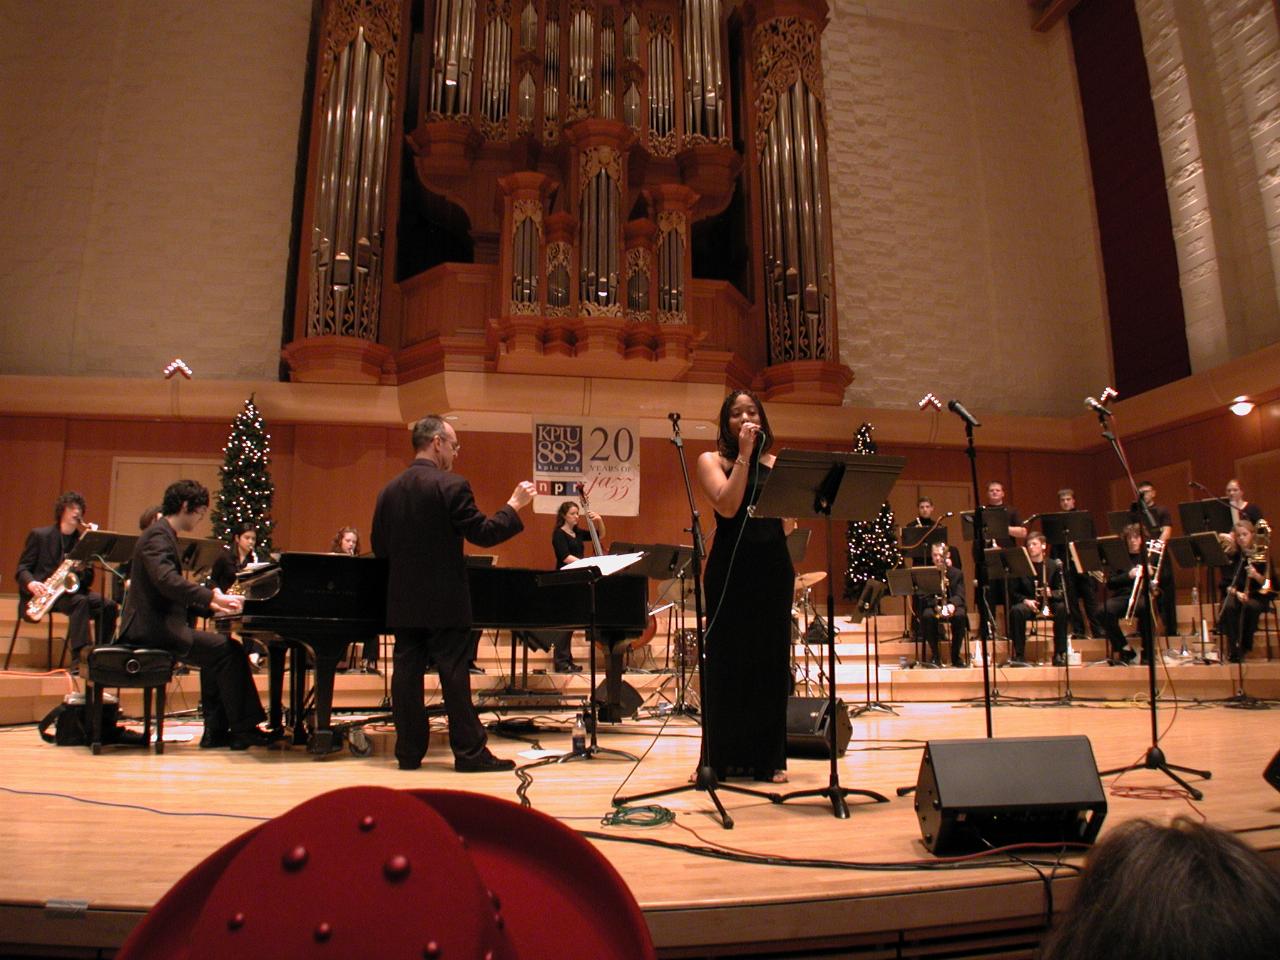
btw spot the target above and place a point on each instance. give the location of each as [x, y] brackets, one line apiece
[1154, 759]
[705, 779]
[979, 554]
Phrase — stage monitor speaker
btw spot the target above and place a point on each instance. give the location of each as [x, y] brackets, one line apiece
[972, 793]
[1272, 773]
[807, 728]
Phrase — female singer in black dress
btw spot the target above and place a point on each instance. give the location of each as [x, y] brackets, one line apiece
[749, 585]
[567, 541]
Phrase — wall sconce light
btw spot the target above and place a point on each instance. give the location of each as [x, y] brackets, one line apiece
[1241, 406]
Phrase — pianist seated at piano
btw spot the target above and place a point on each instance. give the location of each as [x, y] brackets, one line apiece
[347, 541]
[155, 615]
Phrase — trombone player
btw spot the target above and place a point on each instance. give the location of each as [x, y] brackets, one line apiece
[1124, 592]
[947, 607]
[45, 550]
[1038, 596]
[1248, 584]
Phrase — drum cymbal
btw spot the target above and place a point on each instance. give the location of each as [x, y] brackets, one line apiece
[807, 580]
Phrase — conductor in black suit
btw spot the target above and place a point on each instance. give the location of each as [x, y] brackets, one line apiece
[155, 615]
[45, 549]
[419, 523]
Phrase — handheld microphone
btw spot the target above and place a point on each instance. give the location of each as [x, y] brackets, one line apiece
[1096, 407]
[674, 418]
[956, 407]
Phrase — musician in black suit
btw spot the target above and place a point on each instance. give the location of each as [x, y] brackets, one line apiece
[419, 524]
[998, 593]
[45, 549]
[155, 615]
[948, 608]
[1082, 587]
[1120, 587]
[1027, 598]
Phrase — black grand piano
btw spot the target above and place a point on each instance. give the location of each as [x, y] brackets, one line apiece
[311, 605]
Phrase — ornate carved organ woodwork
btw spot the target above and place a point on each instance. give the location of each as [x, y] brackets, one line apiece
[574, 145]
[788, 150]
[341, 267]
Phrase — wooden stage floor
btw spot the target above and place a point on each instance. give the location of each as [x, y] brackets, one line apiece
[92, 842]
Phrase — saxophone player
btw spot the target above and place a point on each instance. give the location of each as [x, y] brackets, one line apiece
[1246, 583]
[45, 549]
[1038, 596]
[946, 608]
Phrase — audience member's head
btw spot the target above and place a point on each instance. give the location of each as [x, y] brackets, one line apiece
[1188, 891]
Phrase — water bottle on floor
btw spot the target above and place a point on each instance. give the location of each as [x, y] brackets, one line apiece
[579, 734]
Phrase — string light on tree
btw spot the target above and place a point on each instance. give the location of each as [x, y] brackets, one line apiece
[247, 489]
[873, 544]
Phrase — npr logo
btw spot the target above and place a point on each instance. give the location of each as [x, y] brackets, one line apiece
[557, 448]
[558, 488]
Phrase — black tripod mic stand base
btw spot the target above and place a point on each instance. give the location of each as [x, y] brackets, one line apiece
[706, 781]
[1242, 701]
[836, 795]
[1154, 760]
[597, 753]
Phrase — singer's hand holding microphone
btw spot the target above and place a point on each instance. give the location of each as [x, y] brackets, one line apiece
[747, 437]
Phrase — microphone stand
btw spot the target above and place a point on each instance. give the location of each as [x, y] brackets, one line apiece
[979, 555]
[1154, 758]
[705, 779]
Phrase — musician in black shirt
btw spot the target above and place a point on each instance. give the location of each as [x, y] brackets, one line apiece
[997, 593]
[947, 608]
[567, 540]
[1029, 596]
[1120, 586]
[1241, 509]
[1167, 598]
[1242, 582]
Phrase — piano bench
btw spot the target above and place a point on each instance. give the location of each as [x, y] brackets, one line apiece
[136, 669]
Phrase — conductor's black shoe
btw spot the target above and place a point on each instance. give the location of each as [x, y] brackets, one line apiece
[250, 738]
[212, 740]
[485, 763]
[1059, 659]
[410, 764]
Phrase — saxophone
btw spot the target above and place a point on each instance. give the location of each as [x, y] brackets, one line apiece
[63, 580]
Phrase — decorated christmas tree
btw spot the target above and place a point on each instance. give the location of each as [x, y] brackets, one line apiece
[873, 544]
[247, 489]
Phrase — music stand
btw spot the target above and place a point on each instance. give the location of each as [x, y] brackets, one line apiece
[106, 548]
[995, 527]
[1065, 529]
[586, 573]
[1201, 552]
[1006, 564]
[920, 552]
[1117, 520]
[197, 556]
[910, 582]
[1205, 516]
[830, 486]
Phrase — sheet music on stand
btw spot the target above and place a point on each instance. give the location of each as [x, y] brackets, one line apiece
[197, 556]
[104, 545]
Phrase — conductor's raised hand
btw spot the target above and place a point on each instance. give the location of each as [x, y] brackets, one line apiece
[521, 496]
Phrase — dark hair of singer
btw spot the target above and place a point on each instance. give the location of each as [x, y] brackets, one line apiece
[191, 492]
[1187, 891]
[727, 442]
[65, 502]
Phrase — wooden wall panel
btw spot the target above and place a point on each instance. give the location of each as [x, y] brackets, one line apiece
[32, 452]
[337, 472]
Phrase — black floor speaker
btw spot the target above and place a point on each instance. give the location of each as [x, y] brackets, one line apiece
[1272, 773]
[807, 727]
[975, 793]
